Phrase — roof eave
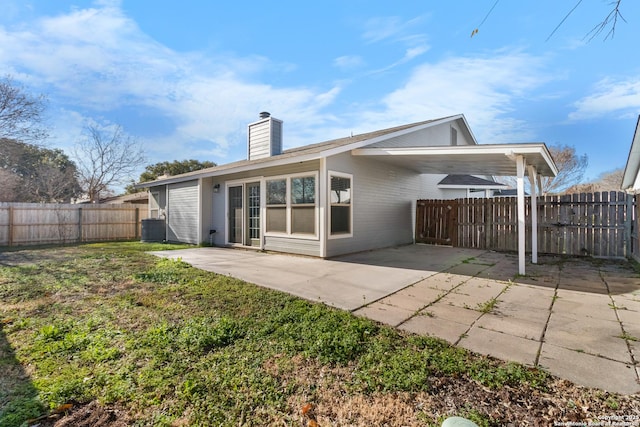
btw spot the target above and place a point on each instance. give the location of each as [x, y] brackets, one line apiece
[632, 167]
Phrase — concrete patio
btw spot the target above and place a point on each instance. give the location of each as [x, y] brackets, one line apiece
[577, 318]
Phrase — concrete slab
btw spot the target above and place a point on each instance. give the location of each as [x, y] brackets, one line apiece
[516, 326]
[423, 293]
[446, 281]
[589, 335]
[589, 370]
[384, 313]
[405, 300]
[518, 297]
[582, 304]
[501, 345]
[443, 310]
[424, 324]
[346, 283]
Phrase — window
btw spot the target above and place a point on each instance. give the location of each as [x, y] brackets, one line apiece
[303, 205]
[454, 136]
[340, 200]
[291, 205]
[276, 206]
[154, 205]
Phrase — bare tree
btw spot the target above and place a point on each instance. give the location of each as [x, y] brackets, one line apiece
[20, 113]
[10, 186]
[106, 156]
[571, 168]
[607, 181]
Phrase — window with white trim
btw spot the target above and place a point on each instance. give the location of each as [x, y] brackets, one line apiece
[291, 205]
[276, 206]
[341, 218]
[154, 204]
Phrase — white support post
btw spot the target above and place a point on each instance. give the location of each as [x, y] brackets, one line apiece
[533, 179]
[520, 165]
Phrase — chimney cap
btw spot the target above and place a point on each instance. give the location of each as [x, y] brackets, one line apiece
[265, 114]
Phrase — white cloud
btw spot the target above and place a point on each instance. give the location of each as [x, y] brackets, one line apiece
[619, 97]
[483, 88]
[388, 27]
[348, 62]
[97, 60]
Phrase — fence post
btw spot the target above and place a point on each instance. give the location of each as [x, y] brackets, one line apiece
[10, 225]
[628, 218]
[80, 225]
[136, 223]
[488, 230]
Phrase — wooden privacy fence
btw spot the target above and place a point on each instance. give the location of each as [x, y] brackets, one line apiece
[35, 223]
[596, 224]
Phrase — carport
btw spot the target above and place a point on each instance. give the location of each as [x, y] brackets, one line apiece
[530, 159]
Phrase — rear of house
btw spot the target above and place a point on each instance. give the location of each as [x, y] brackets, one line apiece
[318, 200]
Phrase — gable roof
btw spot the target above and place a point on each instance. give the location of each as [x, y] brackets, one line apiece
[307, 152]
[466, 181]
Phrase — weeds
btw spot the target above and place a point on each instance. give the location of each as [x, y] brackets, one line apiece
[169, 342]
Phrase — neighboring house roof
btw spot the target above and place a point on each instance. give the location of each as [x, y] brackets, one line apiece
[510, 192]
[631, 177]
[140, 197]
[468, 181]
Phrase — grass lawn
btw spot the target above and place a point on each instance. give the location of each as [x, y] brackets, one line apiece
[107, 333]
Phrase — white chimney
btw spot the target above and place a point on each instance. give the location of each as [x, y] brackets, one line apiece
[265, 137]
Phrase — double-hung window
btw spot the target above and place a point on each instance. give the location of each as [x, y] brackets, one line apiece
[340, 196]
[291, 205]
[277, 205]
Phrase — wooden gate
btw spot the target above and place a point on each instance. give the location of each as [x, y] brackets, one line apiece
[436, 222]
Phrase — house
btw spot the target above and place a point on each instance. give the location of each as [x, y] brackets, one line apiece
[631, 184]
[341, 196]
[460, 186]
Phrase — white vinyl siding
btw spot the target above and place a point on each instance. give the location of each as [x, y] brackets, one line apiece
[294, 246]
[383, 204]
[182, 212]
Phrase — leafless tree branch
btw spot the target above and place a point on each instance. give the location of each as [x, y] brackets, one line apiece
[106, 157]
[20, 113]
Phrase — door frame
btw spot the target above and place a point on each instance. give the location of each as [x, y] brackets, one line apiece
[245, 211]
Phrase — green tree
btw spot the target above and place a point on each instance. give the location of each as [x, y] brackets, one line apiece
[177, 167]
[34, 174]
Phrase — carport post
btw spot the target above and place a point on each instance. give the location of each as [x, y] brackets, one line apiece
[521, 218]
[533, 179]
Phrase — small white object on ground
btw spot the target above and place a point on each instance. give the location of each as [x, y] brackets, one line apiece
[458, 422]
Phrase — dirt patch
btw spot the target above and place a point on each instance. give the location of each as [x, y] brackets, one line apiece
[90, 415]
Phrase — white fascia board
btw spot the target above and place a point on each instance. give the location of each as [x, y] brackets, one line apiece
[232, 170]
[364, 143]
[483, 187]
[630, 178]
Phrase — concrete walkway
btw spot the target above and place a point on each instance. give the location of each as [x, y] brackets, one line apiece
[577, 318]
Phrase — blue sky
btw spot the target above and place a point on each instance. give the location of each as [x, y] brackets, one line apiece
[185, 78]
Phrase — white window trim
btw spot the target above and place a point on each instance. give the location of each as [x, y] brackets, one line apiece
[289, 234]
[341, 235]
[155, 196]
